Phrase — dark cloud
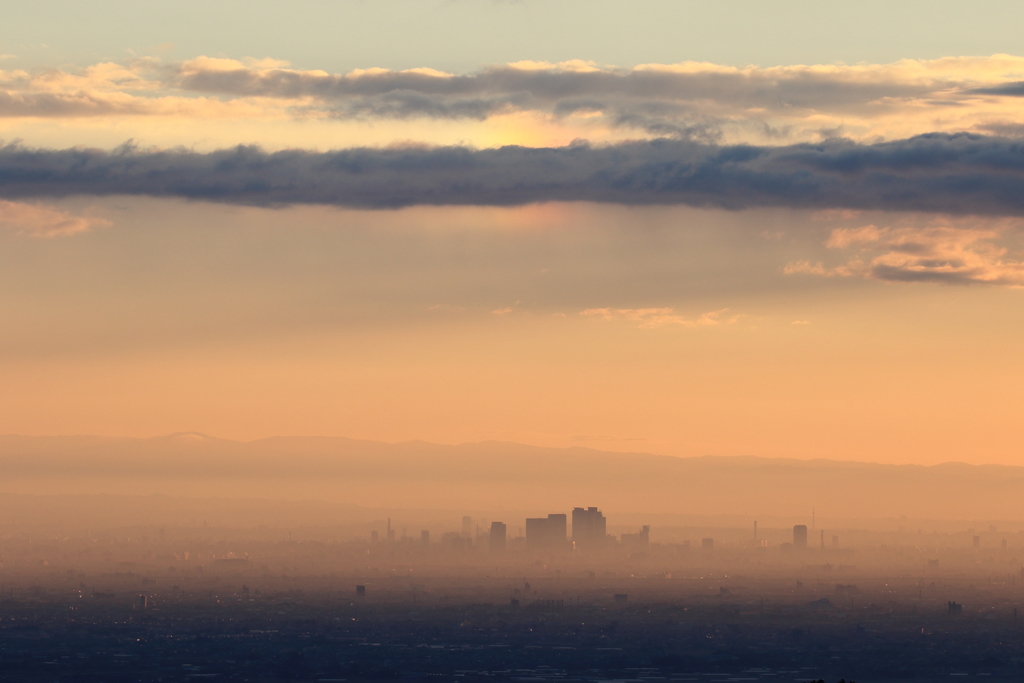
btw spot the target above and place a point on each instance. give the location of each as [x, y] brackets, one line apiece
[1005, 129]
[547, 87]
[660, 101]
[698, 102]
[1015, 89]
[957, 277]
[959, 173]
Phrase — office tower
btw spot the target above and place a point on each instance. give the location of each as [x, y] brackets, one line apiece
[374, 537]
[467, 527]
[707, 544]
[589, 527]
[391, 532]
[800, 536]
[558, 529]
[425, 537]
[536, 532]
[497, 540]
[546, 532]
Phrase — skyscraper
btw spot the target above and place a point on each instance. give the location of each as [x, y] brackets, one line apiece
[546, 532]
[497, 540]
[589, 527]
[800, 536]
[558, 529]
[536, 532]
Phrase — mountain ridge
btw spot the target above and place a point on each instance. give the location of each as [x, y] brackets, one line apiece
[401, 445]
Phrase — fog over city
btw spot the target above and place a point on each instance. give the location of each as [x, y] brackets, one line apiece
[157, 584]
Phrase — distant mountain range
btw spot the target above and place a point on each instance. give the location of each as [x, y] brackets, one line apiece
[499, 475]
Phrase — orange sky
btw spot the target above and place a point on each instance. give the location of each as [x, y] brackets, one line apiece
[669, 330]
[889, 334]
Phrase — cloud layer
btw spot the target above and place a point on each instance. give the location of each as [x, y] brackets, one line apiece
[689, 99]
[965, 174]
[700, 101]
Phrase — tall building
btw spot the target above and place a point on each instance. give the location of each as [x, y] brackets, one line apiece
[536, 532]
[425, 537]
[498, 533]
[558, 529]
[546, 532]
[800, 536]
[467, 527]
[589, 527]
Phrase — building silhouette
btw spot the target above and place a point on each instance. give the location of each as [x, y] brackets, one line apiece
[639, 542]
[497, 539]
[800, 536]
[589, 527]
[546, 532]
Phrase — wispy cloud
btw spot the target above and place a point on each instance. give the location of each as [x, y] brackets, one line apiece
[37, 220]
[941, 253]
[650, 318]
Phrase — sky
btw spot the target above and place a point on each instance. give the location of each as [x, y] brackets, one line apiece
[779, 229]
